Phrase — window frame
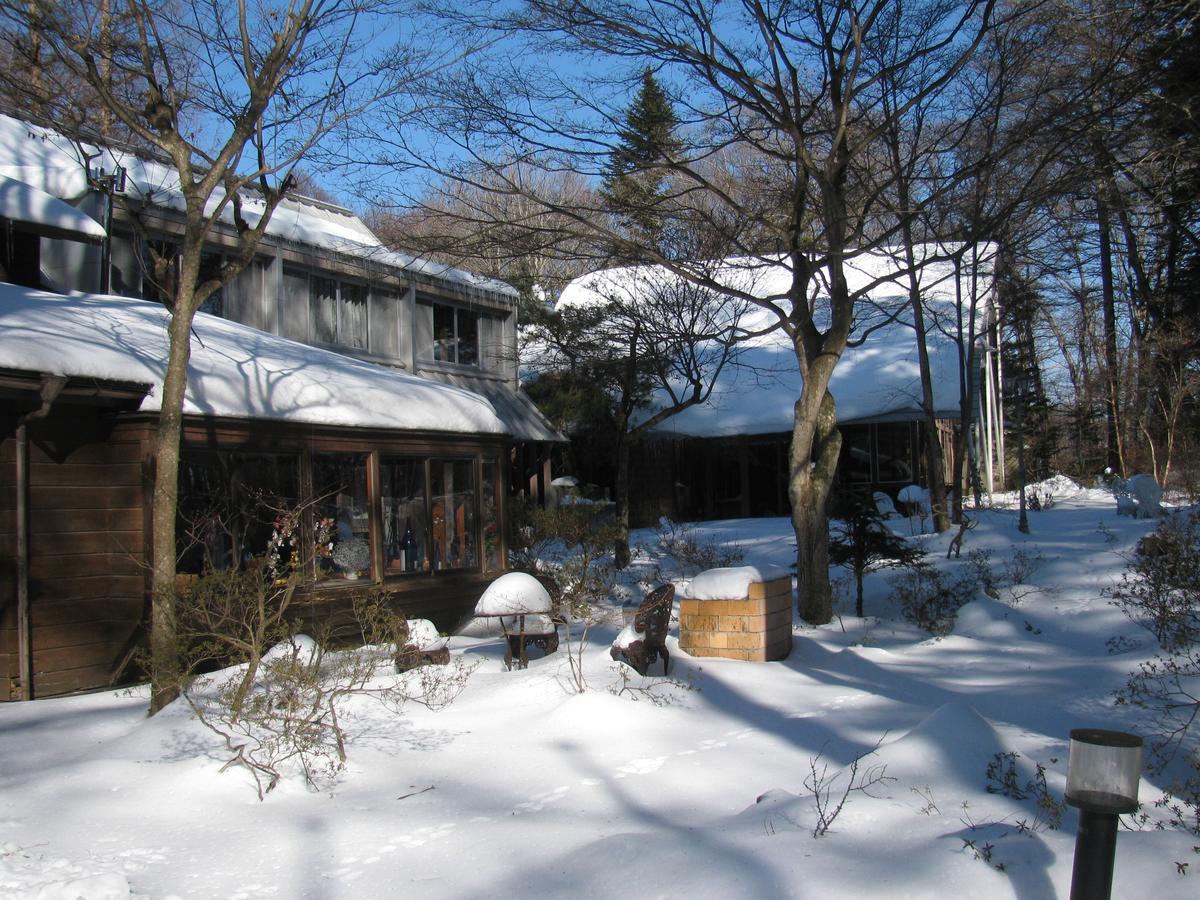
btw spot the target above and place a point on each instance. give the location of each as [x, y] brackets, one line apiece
[485, 516]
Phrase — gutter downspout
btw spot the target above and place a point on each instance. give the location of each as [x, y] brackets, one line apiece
[52, 385]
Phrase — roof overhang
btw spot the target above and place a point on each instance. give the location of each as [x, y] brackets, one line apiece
[44, 215]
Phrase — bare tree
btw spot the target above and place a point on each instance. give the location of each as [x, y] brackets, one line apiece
[794, 87]
[234, 94]
[653, 344]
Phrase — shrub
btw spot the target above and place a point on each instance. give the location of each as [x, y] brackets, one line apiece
[690, 553]
[1161, 587]
[928, 599]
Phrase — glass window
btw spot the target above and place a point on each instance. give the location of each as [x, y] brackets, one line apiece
[232, 508]
[406, 535]
[342, 526]
[894, 446]
[455, 335]
[453, 523]
[352, 316]
[468, 338]
[210, 267]
[855, 462]
[490, 514]
[323, 306]
[294, 309]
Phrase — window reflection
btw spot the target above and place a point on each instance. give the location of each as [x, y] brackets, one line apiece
[453, 523]
[342, 523]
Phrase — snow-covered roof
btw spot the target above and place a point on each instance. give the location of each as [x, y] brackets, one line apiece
[877, 380]
[53, 163]
[235, 371]
[21, 202]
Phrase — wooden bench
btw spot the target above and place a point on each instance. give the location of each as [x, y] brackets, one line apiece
[653, 622]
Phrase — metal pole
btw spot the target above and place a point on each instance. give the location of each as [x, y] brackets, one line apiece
[1095, 852]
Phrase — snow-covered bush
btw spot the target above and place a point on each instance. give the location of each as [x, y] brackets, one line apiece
[279, 700]
[690, 553]
[1161, 587]
[1161, 590]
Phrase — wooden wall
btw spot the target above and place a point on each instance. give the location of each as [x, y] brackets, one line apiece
[87, 523]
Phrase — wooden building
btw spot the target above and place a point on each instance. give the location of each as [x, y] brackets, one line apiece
[728, 457]
[374, 392]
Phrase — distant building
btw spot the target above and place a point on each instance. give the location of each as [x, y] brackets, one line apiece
[728, 457]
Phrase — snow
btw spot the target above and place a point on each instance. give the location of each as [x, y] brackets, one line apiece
[729, 583]
[22, 202]
[877, 380]
[51, 162]
[424, 635]
[234, 371]
[524, 787]
[626, 636]
[514, 592]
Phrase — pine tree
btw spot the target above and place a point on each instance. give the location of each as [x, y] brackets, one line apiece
[635, 183]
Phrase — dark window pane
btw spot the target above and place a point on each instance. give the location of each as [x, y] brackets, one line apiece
[443, 334]
[894, 452]
[404, 515]
[468, 338]
[229, 504]
[855, 461]
[324, 310]
[210, 267]
[342, 530]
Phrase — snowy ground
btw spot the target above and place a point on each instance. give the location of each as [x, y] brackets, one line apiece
[525, 788]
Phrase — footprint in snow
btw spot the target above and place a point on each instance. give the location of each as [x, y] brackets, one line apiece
[646, 766]
[539, 801]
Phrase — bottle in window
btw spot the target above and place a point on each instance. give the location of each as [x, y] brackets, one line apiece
[408, 548]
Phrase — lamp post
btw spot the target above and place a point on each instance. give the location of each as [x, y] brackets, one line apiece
[1102, 782]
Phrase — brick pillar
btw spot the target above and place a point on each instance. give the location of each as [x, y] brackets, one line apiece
[755, 627]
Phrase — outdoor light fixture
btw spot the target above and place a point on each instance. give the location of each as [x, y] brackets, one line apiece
[1103, 772]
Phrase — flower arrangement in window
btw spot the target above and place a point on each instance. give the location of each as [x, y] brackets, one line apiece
[283, 555]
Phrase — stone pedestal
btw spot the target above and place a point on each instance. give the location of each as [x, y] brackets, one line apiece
[755, 627]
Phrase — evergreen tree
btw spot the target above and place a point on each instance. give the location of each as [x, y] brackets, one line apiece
[635, 185]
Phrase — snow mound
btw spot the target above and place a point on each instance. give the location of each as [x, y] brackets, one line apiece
[986, 619]
[513, 593]
[1059, 487]
[952, 747]
[301, 646]
[729, 583]
[423, 635]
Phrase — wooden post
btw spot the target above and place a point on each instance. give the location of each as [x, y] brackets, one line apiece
[24, 630]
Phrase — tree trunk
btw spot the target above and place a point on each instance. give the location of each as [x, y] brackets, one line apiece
[164, 657]
[814, 456]
[1112, 402]
[621, 548]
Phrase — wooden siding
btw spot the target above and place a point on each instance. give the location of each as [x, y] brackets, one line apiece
[87, 520]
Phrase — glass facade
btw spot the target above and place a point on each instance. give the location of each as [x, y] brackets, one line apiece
[334, 517]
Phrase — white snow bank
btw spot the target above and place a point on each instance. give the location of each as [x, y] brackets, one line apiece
[729, 583]
[986, 619]
[513, 593]
[953, 745]
[234, 372]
